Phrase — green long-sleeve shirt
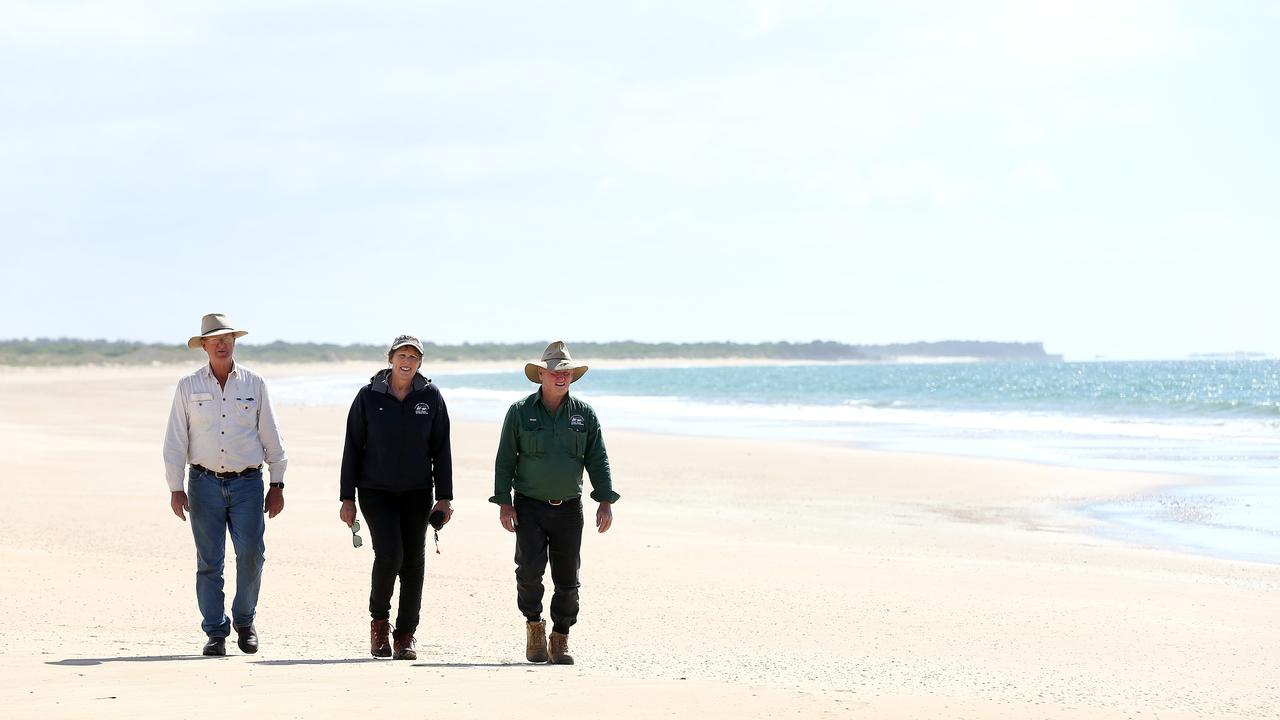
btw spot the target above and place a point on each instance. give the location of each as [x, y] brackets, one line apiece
[543, 455]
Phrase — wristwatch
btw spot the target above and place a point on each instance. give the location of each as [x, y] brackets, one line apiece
[277, 484]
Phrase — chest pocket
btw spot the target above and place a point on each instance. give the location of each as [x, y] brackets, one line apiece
[532, 436]
[575, 442]
[242, 411]
[202, 411]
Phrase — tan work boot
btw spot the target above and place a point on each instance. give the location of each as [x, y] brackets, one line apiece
[535, 647]
[560, 649]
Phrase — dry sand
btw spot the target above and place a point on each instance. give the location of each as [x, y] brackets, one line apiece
[741, 579]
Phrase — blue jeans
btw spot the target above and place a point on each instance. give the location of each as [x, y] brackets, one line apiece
[234, 504]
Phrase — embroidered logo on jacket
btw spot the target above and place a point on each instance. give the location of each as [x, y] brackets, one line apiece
[577, 421]
[421, 409]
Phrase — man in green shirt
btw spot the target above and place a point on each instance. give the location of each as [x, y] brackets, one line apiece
[548, 439]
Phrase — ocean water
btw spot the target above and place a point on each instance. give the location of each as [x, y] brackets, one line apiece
[1218, 421]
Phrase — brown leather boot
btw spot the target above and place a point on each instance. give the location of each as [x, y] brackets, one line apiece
[379, 644]
[406, 646]
[535, 647]
[560, 649]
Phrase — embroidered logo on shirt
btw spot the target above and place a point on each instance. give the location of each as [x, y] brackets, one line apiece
[421, 409]
[577, 421]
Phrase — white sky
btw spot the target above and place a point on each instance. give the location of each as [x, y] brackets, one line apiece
[1100, 176]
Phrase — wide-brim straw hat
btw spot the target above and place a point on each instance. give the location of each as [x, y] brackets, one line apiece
[555, 358]
[211, 325]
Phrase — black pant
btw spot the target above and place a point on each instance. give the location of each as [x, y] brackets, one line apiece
[544, 530]
[397, 523]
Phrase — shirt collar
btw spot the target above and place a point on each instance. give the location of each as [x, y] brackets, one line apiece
[563, 403]
[235, 370]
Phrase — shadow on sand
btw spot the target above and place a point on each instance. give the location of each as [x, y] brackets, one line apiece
[351, 661]
[83, 662]
[339, 661]
[468, 665]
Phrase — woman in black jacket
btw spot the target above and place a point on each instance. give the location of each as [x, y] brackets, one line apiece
[397, 451]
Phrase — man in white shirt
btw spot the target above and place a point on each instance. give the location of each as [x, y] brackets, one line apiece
[223, 426]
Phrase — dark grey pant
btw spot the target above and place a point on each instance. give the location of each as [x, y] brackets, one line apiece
[554, 532]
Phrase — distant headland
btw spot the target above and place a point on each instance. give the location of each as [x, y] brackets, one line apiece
[70, 351]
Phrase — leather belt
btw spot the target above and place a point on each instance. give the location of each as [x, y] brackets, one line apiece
[227, 475]
[550, 502]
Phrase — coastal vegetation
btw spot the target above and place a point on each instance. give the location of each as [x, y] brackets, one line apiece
[72, 351]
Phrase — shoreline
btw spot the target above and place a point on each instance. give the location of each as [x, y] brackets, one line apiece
[1110, 523]
[1139, 517]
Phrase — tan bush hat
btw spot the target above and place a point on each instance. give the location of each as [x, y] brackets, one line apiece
[555, 358]
[211, 325]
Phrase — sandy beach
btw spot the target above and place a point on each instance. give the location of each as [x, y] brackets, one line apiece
[741, 579]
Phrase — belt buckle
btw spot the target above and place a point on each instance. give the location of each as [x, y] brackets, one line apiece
[555, 502]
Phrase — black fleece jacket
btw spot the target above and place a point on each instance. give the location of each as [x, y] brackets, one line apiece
[394, 445]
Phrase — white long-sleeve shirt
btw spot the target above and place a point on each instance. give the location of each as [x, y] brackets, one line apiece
[224, 430]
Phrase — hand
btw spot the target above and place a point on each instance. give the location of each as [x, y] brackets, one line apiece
[178, 503]
[604, 516]
[446, 507]
[347, 513]
[274, 504]
[507, 516]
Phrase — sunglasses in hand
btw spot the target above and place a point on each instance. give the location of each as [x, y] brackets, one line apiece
[356, 540]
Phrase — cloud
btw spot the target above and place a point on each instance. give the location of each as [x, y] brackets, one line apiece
[918, 180]
[529, 76]
[1092, 34]
[768, 16]
[933, 105]
[36, 23]
[1035, 177]
[1022, 43]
